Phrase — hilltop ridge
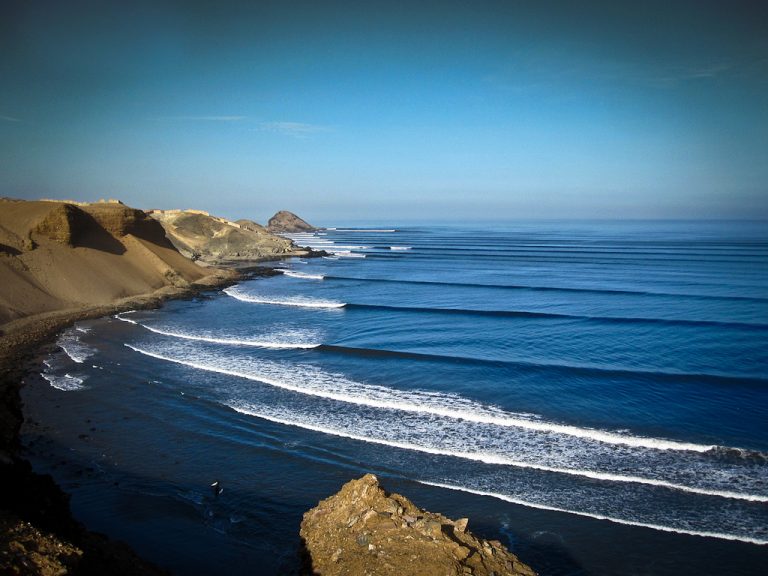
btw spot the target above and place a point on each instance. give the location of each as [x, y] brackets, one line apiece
[213, 240]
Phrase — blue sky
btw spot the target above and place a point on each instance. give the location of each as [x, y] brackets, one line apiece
[387, 110]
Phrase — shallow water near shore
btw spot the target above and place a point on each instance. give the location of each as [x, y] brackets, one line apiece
[594, 395]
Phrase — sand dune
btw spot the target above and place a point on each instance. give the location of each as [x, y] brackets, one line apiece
[57, 255]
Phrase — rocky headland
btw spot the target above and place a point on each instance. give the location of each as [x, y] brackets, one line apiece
[364, 530]
[212, 240]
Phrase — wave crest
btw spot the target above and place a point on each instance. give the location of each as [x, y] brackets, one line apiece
[300, 302]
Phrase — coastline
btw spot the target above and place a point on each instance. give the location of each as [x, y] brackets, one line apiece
[32, 503]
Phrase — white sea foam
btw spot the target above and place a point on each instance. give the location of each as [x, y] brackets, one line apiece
[303, 275]
[456, 426]
[122, 318]
[262, 343]
[337, 388]
[400, 247]
[490, 458]
[347, 254]
[360, 230]
[301, 302]
[67, 383]
[271, 341]
[513, 500]
[458, 408]
[70, 343]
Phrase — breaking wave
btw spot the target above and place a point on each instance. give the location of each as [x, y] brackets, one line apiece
[70, 343]
[303, 275]
[67, 383]
[540, 506]
[451, 425]
[301, 302]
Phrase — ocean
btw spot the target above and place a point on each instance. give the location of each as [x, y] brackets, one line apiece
[592, 394]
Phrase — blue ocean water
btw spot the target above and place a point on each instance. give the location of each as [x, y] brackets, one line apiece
[593, 394]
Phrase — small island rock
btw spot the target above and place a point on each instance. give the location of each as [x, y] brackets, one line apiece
[285, 222]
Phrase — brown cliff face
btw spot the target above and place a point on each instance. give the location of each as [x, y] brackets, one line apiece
[58, 255]
[364, 530]
[285, 222]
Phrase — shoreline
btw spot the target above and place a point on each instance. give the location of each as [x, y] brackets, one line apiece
[34, 504]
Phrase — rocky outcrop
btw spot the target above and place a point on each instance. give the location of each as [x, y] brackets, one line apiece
[364, 530]
[25, 549]
[214, 240]
[120, 220]
[60, 224]
[67, 223]
[285, 222]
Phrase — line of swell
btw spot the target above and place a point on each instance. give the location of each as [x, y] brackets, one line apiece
[702, 378]
[513, 250]
[597, 259]
[550, 288]
[282, 302]
[556, 316]
[303, 275]
[538, 506]
[212, 340]
[501, 460]
[230, 341]
[449, 412]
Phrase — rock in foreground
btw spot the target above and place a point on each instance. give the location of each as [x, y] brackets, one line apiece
[364, 530]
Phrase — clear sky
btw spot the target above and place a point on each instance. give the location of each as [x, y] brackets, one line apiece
[390, 110]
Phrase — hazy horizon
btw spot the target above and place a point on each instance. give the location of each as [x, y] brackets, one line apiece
[343, 111]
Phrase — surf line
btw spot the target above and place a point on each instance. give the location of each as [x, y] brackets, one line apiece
[120, 317]
[499, 460]
[406, 406]
[661, 528]
[294, 302]
[303, 275]
[230, 341]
